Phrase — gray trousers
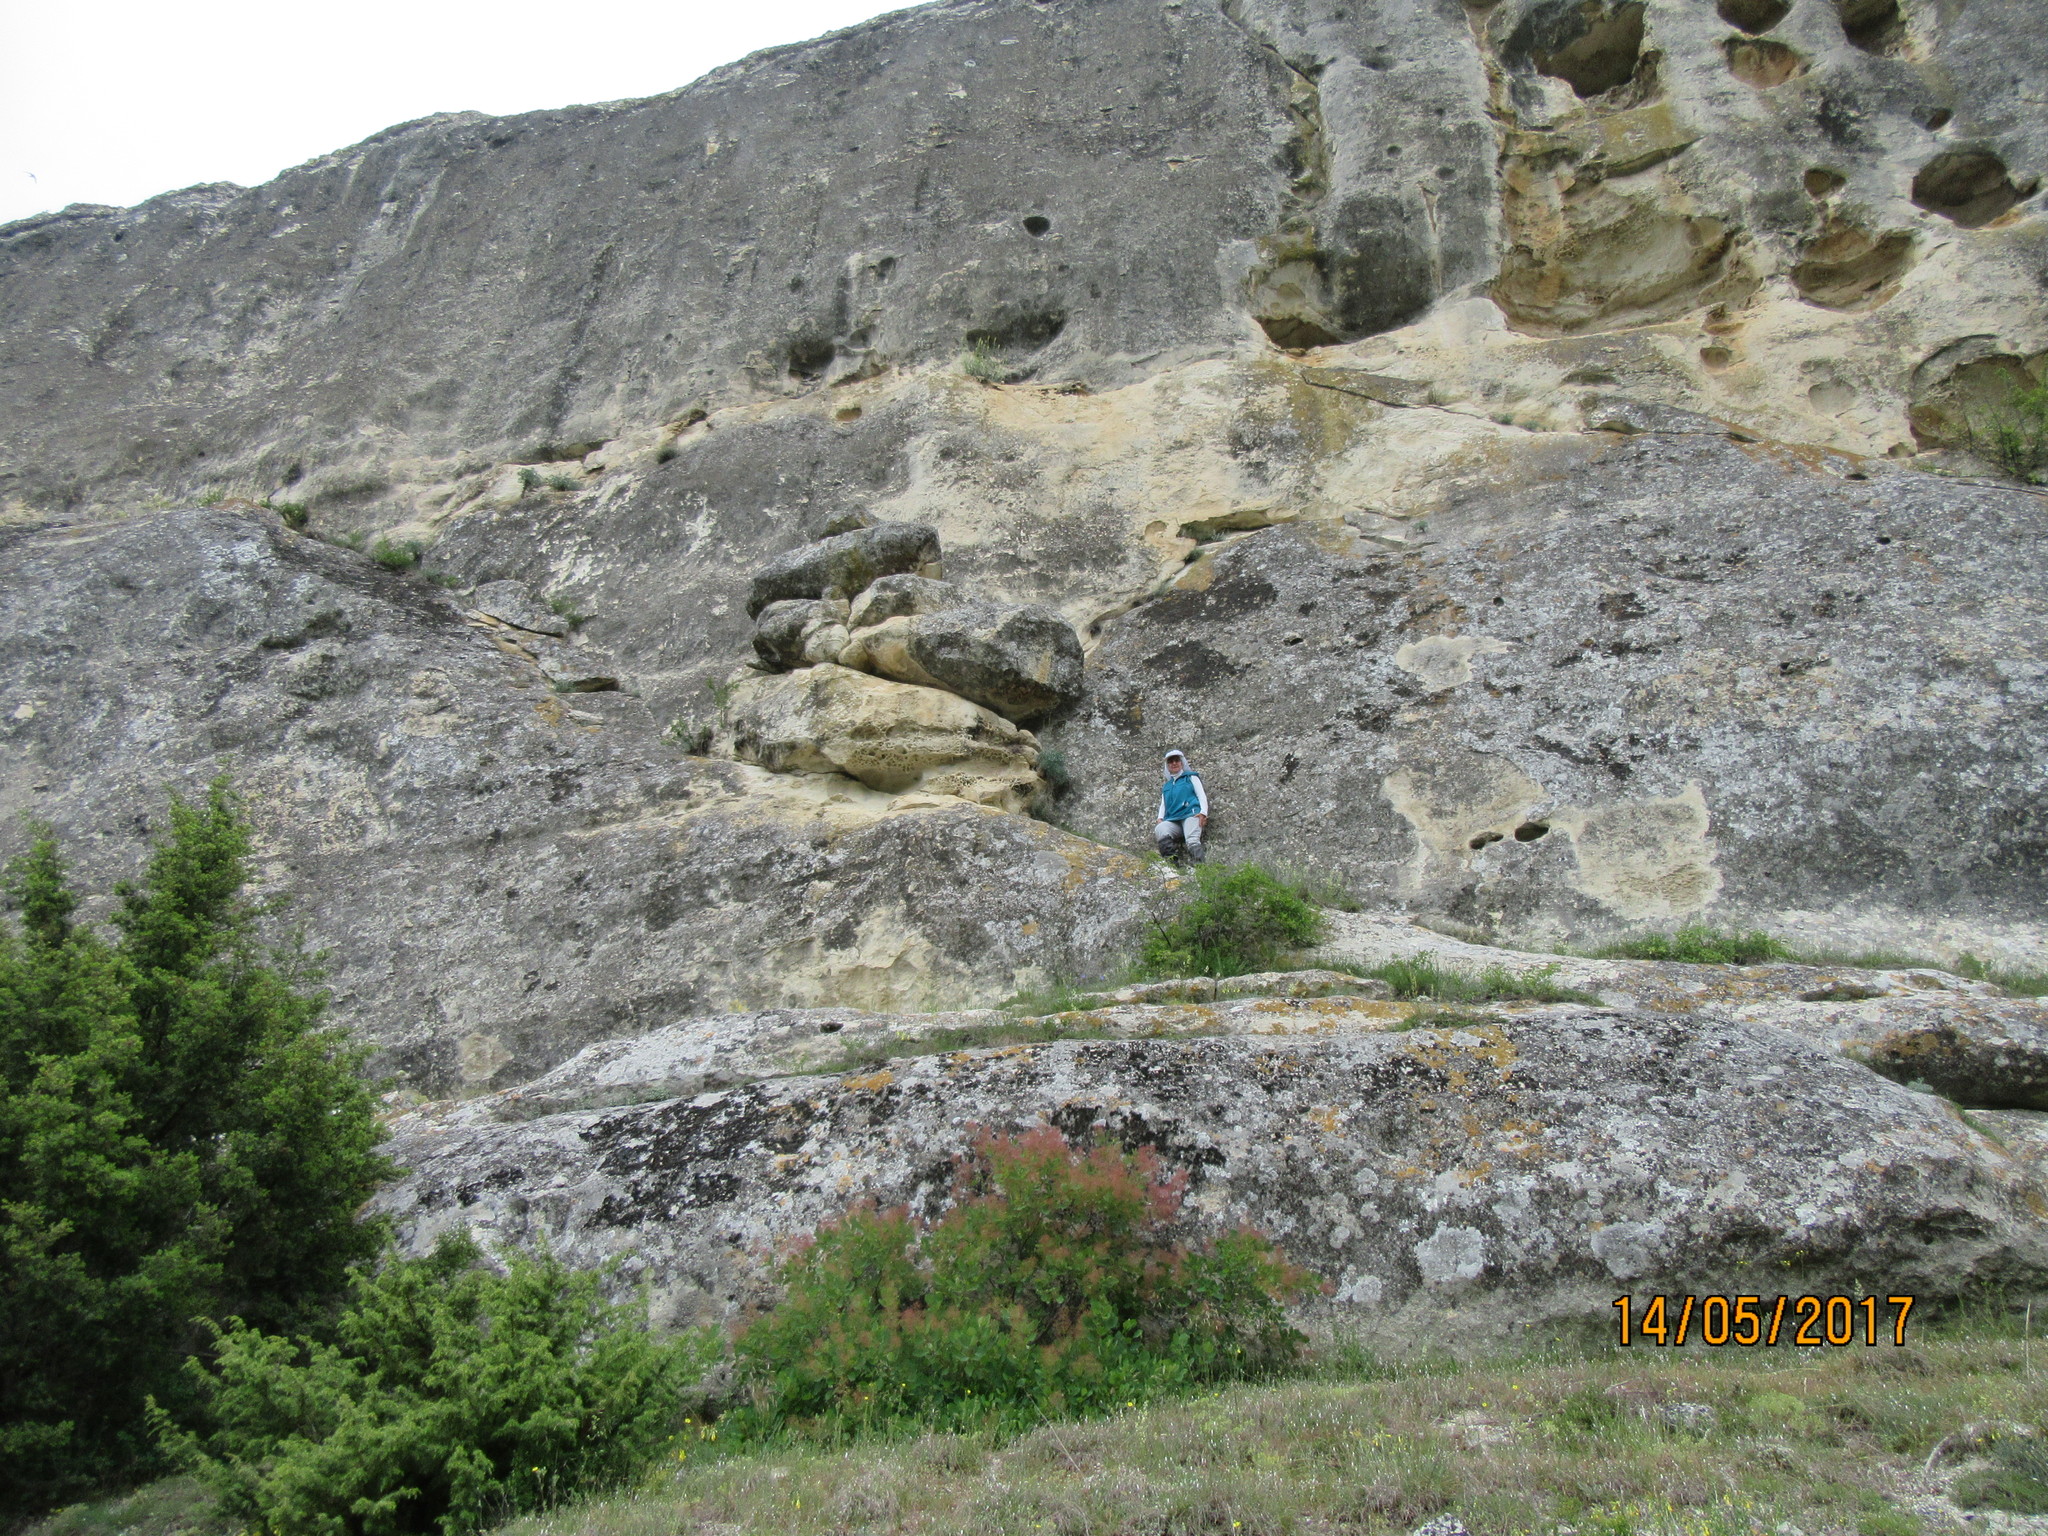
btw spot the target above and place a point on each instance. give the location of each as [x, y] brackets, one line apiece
[1172, 836]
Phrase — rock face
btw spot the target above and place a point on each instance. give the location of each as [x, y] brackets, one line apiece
[1666, 676]
[1457, 1184]
[891, 736]
[1022, 661]
[844, 565]
[901, 596]
[501, 873]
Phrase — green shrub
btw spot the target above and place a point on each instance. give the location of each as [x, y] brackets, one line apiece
[178, 1139]
[1238, 918]
[1422, 976]
[1699, 945]
[453, 1398]
[562, 482]
[529, 480]
[2014, 434]
[1052, 767]
[1050, 1287]
[294, 513]
[397, 556]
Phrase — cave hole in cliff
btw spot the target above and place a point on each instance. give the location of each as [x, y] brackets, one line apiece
[1875, 26]
[1821, 182]
[1760, 62]
[1485, 838]
[810, 356]
[1970, 187]
[1603, 55]
[1036, 224]
[1753, 15]
[1529, 831]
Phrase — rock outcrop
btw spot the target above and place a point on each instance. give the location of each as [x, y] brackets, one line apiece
[891, 736]
[500, 872]
[1459, 1182]
[1020, 661]
[1542, 459]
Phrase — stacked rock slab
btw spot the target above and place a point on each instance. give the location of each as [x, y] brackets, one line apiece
[878, 669]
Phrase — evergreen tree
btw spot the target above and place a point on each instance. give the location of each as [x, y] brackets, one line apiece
[180, 1141]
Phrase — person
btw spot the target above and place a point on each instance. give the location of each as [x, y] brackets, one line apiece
[1183, 810]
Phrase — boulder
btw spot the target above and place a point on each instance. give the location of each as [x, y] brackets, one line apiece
[899, 596]
[1022, 661]
[798, 632]
[846, 564]
[891, 736]
[1462, 1185]
[513, 602]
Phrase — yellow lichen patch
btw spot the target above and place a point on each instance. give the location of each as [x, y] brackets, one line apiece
[873, 1082]
[1328, 1121]
[551, 711]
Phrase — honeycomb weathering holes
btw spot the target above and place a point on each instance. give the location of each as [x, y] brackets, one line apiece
[1753, 16]
[1603, 55]
[1970, 187]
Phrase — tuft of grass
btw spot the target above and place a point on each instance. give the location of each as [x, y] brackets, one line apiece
[693, 736]
[561, 482]
[982, 363]
[294, 513]
[353, 539]
[1052, 767]
[2016, 1481]
[721, 693]
[1699, 945]
[1238, 918]
[529, 480]
[1423, 976]
[562, 608]
[397, 556]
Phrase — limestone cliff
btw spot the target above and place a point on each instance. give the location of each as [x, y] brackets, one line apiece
[1531, 454]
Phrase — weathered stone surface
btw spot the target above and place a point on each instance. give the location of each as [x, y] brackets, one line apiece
[891, 736]
[898, 596]
[800, 632]
[1618, 692]
[1455, 1185]
[513, 602]
[1020, 661]
[844, 565]
[499, 877]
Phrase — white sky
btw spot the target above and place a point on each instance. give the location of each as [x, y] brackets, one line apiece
[114, 101]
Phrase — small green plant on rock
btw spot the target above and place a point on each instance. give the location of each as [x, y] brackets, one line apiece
[294, 513]
[1052, 1287]
[529, 480]
[2014, 433]
[561, 482]
[693, 736]
[397, 555]
[1239, 918]
[451, 1397]
[562, 608]
[981, 363]
[1699, 945]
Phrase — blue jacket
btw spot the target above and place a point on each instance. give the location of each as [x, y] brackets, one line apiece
[1182, 796]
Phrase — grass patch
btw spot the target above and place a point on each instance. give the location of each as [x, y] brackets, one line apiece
[1367, 1446]
[2016, 1481]
[1698, 945]
[397, 555]
[868, 1056]
[1237, 918]
[1421, 976]
[562, 608]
